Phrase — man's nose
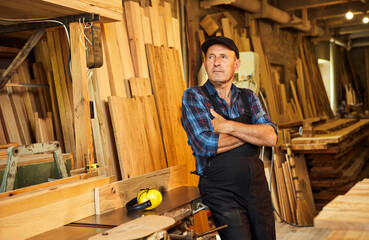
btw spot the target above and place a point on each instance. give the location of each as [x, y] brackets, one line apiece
[217, 61]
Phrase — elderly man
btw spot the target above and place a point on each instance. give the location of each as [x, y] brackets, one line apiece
[225, 125]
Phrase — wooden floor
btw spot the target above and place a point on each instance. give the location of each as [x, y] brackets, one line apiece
[287, 232]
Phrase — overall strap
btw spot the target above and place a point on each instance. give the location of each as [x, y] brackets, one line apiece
[245, 101]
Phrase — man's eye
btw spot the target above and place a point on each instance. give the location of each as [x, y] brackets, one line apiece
[211, 57]
[224, 57]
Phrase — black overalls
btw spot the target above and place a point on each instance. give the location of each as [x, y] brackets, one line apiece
[235, 189]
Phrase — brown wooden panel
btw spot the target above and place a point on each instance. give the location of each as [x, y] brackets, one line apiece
[137, 135]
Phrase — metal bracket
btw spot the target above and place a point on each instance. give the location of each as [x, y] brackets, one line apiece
[15, 152]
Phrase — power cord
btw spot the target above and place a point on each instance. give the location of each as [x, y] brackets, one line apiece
[48, 20]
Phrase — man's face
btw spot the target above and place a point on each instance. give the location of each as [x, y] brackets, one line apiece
[220, 63]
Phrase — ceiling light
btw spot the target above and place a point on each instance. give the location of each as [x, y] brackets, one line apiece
[349, 15]
[365, 19]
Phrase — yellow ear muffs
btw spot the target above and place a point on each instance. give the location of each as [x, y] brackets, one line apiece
[147, 199]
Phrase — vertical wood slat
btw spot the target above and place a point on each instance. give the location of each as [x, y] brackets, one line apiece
[153, 14]
[10, 124]
[28, 96]
[99, 152]
[136, 39]
[82, 123]
[56, 81]
[114, 60]
[100, 82]
[20, 112]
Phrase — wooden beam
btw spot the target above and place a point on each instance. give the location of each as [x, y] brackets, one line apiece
[21, 56]
[45, 209]
[82, 123]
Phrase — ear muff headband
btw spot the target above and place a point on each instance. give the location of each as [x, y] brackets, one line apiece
[133, 206]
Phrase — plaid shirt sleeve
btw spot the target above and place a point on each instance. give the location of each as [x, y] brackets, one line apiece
[197, 124]
[259, 116]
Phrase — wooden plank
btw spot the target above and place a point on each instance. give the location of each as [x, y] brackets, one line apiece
[55, 183]
[41, 52]
[303, 175]
[146, 30]
[2, 132]
[10, 124]
[333, 137]
[153, 14]
[137, 135]
[168, 24]
[106, 129]
[290, 190]
[63, 204]
[348, 235]
[266, 78]
[297, 102]
[168, 88]
[97, 140]
[123, 43]
[114, 60]
[62, 99]
[108, 197]
[44, 129]
[209, 25]
[227, 28]
[136, 39]
[20, 112]
[140, 86]
[82, 123]
[28, 96]
[177, 42]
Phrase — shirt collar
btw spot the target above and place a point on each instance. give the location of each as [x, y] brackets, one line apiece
[213, 91]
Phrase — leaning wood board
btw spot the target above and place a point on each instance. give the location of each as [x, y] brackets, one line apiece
[168, 87]
[82, 122]
[136, 38]
[137, 135]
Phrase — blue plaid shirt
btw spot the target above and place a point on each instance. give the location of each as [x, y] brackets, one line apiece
[196, 118]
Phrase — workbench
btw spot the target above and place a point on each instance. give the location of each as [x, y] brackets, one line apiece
[176, 204]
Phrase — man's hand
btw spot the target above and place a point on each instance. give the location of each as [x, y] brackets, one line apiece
[219, 123]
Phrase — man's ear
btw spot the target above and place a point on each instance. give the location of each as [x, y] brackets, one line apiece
[237, 64]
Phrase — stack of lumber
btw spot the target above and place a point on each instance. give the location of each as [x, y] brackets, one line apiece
[291, 194]
[308, 98]
[347, 214]
[335, 153]
[18, 105]
[46, 206]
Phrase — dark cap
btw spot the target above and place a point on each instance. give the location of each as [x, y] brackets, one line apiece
[220, 40]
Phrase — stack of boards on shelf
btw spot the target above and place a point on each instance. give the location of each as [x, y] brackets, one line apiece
[335, 155]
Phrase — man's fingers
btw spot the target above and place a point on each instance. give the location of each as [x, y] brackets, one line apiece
[213, 113]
